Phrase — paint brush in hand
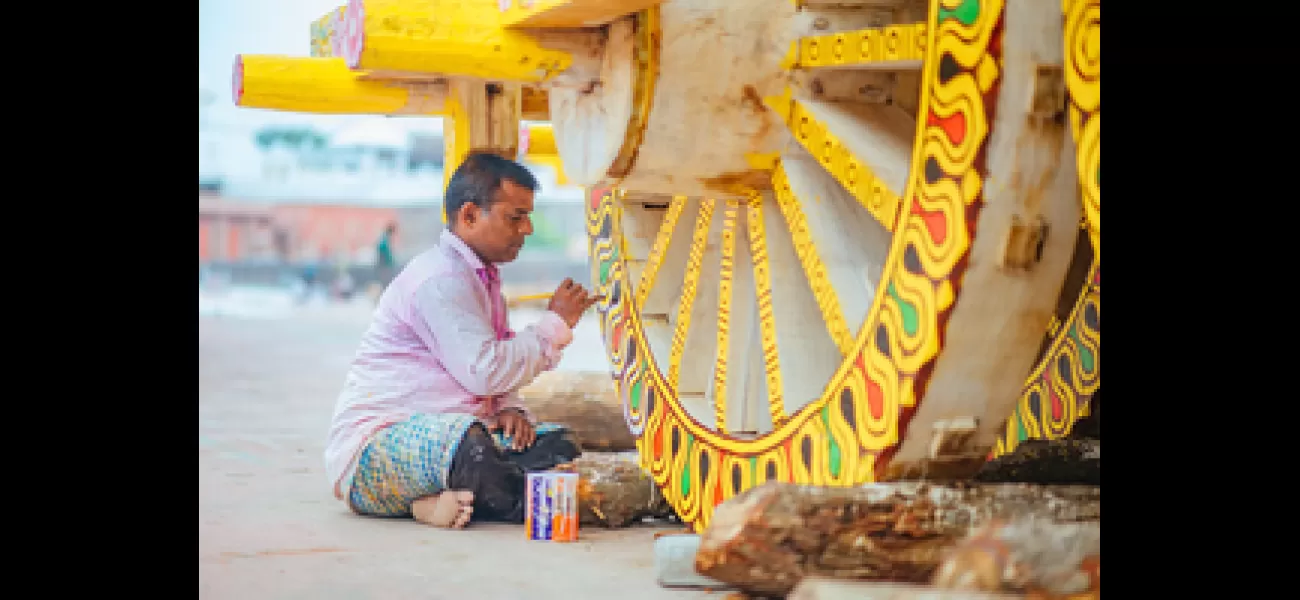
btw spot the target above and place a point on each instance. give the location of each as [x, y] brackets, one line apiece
[517, 300]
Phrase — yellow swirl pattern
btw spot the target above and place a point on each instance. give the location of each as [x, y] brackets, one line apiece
[1083, 81]
[1061, 385]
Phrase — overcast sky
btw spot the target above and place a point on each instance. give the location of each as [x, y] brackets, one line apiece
[230, 27]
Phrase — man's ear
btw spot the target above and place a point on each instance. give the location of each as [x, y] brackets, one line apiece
[467, 214]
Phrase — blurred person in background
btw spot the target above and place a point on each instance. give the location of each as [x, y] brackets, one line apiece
[311, 273]
[429, 424]
[385, 264]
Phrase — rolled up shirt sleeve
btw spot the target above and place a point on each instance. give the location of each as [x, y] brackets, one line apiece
[461, 328]
[511, 401]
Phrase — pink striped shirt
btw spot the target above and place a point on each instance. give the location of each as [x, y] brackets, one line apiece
[439, 342]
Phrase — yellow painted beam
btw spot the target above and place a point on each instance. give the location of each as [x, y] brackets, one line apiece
[569, 13]
[892, 47]
[323, 34]
[443, 37]
[766, 313]
[814, 268]
[851, 171]
[455, 143]
[327, 86]
[537, 145]
[690, 285]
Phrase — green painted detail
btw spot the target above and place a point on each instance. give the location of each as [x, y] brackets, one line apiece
[910, 320]
[753, 468]
[965, 14]
[604, 270]
[686, 470]
[1085, 355]
[1021, 433]
[636, 395]
[834, 447]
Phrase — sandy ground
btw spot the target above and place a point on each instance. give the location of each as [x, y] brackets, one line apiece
[269, 528]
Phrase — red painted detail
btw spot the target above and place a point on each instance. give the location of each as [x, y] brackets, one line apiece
[954, 126]
[1057, 408]
[934, 220]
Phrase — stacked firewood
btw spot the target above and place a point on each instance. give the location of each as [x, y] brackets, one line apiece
[1027, 525]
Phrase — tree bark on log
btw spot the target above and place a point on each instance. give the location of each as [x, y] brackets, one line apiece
[614, 492]
[821, 588]
[1035, 558]
[1047, 462]
[586, 403]
[766, 539]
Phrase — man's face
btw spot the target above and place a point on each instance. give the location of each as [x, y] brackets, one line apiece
[498, 233]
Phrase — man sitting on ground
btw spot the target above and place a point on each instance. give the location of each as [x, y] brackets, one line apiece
[429, 423]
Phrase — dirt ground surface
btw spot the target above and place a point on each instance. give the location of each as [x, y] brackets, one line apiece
[269, 527]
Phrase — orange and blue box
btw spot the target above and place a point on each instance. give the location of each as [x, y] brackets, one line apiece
[551, 507]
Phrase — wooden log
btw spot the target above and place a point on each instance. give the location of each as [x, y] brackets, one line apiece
[614, 492]
[457, 39]
[822, 588]
[1039, 559]
[326, 86]
[585, 403]
[1059, 462]
[766, 539]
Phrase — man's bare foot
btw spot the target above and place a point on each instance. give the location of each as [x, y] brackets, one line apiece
[451, 509]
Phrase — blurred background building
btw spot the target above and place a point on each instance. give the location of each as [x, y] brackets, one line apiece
[286, 199]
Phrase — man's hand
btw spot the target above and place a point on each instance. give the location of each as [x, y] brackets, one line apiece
[514, 424]
[570, 301]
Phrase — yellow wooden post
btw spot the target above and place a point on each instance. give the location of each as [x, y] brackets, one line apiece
[327, 86]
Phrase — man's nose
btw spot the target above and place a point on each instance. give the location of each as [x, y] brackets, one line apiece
[528, 227]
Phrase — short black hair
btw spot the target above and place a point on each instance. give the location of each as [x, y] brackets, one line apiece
[478, 178]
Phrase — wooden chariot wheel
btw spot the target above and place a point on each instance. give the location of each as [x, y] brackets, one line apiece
[832, 239]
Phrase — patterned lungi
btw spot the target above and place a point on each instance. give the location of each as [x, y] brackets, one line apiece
[412, 459]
